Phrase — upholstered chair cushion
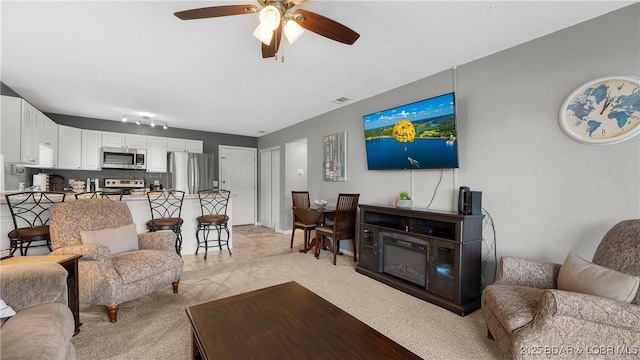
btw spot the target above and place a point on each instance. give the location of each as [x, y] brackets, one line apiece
[579, 275]
[48, 329]
[139, 265]
[118, 240]
[518, 304]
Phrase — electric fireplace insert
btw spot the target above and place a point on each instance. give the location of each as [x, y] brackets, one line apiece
[405, 257]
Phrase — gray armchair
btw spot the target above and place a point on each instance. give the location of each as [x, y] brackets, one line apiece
[43, 324]
[107, 278]
[530, 318]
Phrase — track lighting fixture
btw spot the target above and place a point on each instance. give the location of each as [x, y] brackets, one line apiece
[145, 120]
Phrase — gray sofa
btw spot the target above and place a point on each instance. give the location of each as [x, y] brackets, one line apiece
[43, 324]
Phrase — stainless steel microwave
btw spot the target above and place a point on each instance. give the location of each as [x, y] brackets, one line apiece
[123, 158]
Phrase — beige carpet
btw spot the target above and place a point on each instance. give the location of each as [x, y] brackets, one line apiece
[156, 326]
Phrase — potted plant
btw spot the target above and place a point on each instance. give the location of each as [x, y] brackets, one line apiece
[403, 200]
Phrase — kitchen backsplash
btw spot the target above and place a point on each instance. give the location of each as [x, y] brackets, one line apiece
[18, 175]
[11, 181]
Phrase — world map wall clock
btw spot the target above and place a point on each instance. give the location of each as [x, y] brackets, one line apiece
[603, 111]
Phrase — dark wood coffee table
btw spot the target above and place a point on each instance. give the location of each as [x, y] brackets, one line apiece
[285, 321]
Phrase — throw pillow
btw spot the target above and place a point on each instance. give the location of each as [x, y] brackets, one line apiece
[5, 310]
[118, 240]
[579, 275]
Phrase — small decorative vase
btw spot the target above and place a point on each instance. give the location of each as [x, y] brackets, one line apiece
[406, 204]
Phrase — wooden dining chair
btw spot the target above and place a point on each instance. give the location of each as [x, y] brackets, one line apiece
[303, 218]
[343, 227]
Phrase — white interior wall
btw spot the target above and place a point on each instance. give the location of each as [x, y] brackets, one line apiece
[547, 194]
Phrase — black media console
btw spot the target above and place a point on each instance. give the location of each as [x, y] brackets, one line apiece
[435, 256]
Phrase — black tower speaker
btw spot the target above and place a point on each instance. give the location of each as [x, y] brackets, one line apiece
[474, 203]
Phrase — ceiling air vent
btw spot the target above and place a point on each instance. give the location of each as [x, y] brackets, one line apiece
[340, 100]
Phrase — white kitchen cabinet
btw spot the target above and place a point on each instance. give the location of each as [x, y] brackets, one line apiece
[156, 154]
[69, 147]
[194, 146]
[10, 118]
[112, 139]
[29, 131]
[90, 154]
[121, 140]
[24, 128]
[133, 141]
[48, 142]
[174, 144]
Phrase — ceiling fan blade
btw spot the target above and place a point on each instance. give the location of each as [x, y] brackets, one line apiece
[326, 27]
[271, 49]
[216, 11]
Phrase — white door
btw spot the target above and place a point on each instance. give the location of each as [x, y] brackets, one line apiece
[270, 188]
[238, 175]
[275, 189]
[265, 188]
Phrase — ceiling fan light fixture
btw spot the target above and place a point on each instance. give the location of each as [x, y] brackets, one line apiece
[263, 34]
[270, 16]
[292, 31]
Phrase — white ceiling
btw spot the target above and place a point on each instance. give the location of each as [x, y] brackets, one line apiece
[103, 59]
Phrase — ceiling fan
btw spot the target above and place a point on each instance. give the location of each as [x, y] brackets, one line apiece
[276, 17]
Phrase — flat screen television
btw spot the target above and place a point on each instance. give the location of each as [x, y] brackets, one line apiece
[420, 135]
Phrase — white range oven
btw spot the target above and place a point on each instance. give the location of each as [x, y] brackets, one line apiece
[124, 185]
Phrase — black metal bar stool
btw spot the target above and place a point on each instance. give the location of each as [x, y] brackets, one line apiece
[111, 195]
[166, 207]
[213, 205]
[30, 213]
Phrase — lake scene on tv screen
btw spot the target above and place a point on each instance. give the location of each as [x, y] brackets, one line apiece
[420, 135]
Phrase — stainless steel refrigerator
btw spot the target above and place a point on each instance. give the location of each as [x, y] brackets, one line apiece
[191, 172]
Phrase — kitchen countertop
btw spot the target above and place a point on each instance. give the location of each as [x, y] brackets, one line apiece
[139, 207]
[133, 197]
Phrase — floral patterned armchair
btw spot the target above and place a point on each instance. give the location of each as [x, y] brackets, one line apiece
[530, 318]
[107, 276]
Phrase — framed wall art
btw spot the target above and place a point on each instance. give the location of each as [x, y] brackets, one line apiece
[334, 155]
